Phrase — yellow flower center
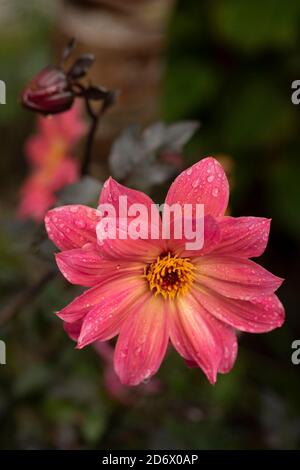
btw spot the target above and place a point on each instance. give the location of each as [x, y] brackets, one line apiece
[170, 275]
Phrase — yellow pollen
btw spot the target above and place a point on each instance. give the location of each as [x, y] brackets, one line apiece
[170, 276]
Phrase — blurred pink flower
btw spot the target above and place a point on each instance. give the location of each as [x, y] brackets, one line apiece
[49, 153]
[151, 291]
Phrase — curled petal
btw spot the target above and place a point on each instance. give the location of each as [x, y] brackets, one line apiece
[143, 341]
[73, 329]
[246, 237]
[71, 226]
[203, 183]
[256, 316]
[237, 278]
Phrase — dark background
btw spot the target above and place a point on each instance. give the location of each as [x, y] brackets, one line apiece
[230, 65]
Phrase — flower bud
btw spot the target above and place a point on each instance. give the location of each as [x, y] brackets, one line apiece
[49, 92]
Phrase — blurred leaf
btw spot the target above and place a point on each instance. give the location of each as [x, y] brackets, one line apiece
[86, 191]
[189, 83]
[253, 25]
[157, 173]
[31, 379]
[261, 115]
[138, 157]
[126, 152]
[81, 66]
[172, 137]
[284, 194]
[93, 425]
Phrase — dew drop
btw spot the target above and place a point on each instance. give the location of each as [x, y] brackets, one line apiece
[195, 183]
[215, 192]
[210, 178]
[80, 223]
[189, 171]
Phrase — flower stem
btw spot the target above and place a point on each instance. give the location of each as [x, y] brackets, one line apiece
[95, 121]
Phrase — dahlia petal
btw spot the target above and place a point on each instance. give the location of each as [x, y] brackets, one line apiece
[115, 301]
[73, 329]
[211, 238]
[86, 267]
[237, 278]
[65, 173]
[35, 200]
[119, 243]
[71, 226]
[67, 126]
[256, 316]
[142, 342]
[112, 190]
[203, 183]
[195, 338]
[229, 342]
[37, 150]
[245, 237]
[123, 285]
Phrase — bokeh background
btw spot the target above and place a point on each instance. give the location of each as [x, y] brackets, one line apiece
[228, 64]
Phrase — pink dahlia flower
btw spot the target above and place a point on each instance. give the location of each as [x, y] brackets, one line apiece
[152, 292]
[49, 154]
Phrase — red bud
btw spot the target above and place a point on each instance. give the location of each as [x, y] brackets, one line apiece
[48, 92]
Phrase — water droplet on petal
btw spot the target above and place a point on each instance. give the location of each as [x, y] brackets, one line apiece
[195, 183]
[215, 192]
[189, 171]
[210, 178]
[80, 223]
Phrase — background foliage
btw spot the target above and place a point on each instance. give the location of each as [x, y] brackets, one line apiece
[230, 64]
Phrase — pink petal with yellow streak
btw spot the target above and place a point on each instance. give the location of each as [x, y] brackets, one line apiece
[105, 319]
[245, 237]
[71, 226]
[237, 278]
[124, 289]
[255, 316]
[203, 183]
[65, 173]
[228, 341]
[37, 150]
[86, 267]
[143, 341]
[195, 336]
